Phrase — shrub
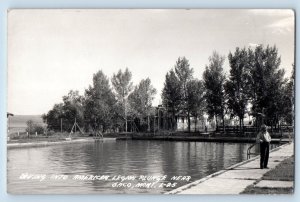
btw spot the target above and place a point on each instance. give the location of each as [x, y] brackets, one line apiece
[33, 128]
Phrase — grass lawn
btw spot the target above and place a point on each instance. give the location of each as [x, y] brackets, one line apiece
[283, 172]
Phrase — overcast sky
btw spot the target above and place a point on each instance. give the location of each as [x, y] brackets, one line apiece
[53, 51]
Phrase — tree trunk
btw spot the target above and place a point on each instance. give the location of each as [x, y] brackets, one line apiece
[243, 125]
[189, 122]
[158, 121]
[125, 114]
[126, 124]
[223, 123]
[148, 124]
[240, 125]
[173, 121]
[195, 123]
[216, 122]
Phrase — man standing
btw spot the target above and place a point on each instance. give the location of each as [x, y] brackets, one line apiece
[264, 139]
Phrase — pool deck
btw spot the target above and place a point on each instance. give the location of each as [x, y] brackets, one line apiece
[236, 178]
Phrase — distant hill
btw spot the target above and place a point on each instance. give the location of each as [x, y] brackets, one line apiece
[17, 123]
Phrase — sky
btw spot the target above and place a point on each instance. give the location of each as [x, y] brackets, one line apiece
[51, 52]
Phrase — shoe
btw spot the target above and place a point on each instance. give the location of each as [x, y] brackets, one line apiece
[266, 167]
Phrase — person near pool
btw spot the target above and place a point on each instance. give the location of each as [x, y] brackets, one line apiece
[264, 139]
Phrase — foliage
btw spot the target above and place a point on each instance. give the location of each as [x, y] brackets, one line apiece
[184, 74]
[122, 86]
[195, 101]
[62, 116]
[267, 84]
[255, 79]
[72, 109]
[195, 97]
[171, 98]
[141, 99]
[237, 87]
[214, 78]
[53, 117]
[122, 83]
[289, 100]
[99, 104]
[33, 128]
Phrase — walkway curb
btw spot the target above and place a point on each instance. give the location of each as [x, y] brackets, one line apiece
[197, 182]
[46, 143]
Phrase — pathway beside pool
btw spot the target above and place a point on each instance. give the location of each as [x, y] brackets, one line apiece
[236, 178]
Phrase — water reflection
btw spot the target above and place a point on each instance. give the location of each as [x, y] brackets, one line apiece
[195, 159]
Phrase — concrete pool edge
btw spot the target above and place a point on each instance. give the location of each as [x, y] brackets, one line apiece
[190, 186]
[47, 143]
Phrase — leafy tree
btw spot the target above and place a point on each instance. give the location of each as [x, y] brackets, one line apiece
[62, 116]
[53, 117]
[39, 129]
[34, 128]
[267, 84]
[184, 74]
[72, 109]
[123, 86]
[288, 100]
[195, 99]
[30, 126]
[171, 97]
[99, 104]
[214, 79]
[141, 100]
[237, 87]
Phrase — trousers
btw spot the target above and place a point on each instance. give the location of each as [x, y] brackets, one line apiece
[264, 154]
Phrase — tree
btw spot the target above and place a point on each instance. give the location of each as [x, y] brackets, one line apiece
[267, 84]
[62, 116]
[171, 98]
[237, 87]
[30, 126]
[53, 117]
[195, 99]
[72, 109]
[99, 104]
[289, 100]
[34, 127]
[214, 79]
[123, 86]
[184, 74]
[141, 100]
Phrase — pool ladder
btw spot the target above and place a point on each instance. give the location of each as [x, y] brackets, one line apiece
[249, 153]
